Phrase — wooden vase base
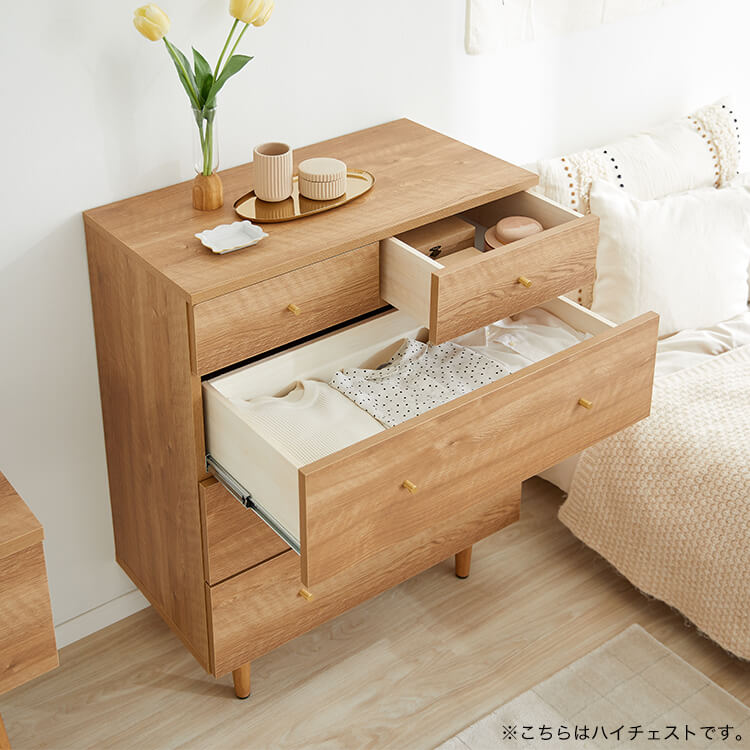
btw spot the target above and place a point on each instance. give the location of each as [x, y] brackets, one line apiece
[208, 192]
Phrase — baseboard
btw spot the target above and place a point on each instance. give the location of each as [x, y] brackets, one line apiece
[99, 617]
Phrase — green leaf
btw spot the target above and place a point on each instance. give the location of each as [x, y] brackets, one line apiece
[233, 65]
[185, 73]
[203, 76]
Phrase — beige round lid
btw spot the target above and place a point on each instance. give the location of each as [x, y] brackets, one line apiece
[491, 240]
[322, 169]
[513, 228]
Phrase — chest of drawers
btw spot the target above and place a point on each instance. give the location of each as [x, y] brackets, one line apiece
[27, 635]
[178, 331]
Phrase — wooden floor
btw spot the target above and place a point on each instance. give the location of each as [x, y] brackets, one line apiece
[406, 670]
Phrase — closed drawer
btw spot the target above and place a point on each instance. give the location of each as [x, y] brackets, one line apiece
[233, 539]
[262, 608]
[469, 289]
[348, 507]
[261, 317]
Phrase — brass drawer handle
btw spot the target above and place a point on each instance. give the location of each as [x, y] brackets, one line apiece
[523, 281]
[409, 486]
[585, 403]
[293, 308]
[305, 594]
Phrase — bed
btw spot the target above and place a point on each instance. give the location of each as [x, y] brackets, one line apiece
[667, 501]
[678, 352]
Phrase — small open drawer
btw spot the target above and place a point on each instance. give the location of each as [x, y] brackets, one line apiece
[375, 495]
[469, 289]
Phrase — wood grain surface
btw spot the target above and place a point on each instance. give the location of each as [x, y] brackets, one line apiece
[19, 527]
[407, 669]
[353, 503]
[258, 318]
[234, 538]
[261, 609]
[421, 176]
[486, 287]
[463, 291]
[27, 636]
[149, 409]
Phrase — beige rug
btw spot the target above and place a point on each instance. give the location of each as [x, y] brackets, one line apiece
[632, 682]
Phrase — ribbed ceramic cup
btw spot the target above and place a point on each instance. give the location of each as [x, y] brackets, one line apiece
[273, 171]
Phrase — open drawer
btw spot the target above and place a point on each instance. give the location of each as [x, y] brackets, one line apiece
[469, 289]
[351, 505]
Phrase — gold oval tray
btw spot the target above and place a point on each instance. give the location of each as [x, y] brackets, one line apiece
[249, 206]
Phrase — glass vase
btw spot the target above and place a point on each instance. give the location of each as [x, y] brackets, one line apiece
[205, 142]
[208, 192]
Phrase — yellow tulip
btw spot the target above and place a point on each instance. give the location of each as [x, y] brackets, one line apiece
[246, 10]
[151, 21]
[265, 14]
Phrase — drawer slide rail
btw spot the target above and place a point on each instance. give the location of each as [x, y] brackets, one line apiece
[240, 493]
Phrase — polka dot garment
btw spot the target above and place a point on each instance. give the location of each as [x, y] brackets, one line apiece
[418, 377]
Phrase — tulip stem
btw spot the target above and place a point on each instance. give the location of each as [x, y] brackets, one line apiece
[203, 146]
[205, 124]
[209, 152]
[226, 44]
[238, 40]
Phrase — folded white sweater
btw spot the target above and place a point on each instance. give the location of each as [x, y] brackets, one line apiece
[313, 420]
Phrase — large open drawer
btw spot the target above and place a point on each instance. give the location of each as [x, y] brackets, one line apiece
[351, 505]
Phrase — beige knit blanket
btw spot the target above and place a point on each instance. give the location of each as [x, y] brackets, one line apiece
[667, 501]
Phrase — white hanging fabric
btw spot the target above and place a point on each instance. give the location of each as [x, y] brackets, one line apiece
[491, 24]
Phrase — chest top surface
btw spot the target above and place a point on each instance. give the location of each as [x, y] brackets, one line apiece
[420, 176]
[19, 527]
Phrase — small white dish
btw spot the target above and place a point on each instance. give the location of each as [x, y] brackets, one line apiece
[229, 237]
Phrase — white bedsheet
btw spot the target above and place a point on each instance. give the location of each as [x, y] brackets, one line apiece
[677, 352]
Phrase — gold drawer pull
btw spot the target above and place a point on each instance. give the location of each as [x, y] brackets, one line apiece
[523, 281]
[293, 308]
[409, 486]
[585, 403]
[305, 594]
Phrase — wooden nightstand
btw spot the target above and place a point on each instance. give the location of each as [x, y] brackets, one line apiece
[27, 635]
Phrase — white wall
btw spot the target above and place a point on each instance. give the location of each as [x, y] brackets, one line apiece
[92, 112]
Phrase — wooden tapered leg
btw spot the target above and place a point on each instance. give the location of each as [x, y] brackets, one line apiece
[4, 741]
[463, 563]
[241, 679]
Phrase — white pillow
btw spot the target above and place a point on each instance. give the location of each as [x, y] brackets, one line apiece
[699, 150]
[743, 180]
[684, 256]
